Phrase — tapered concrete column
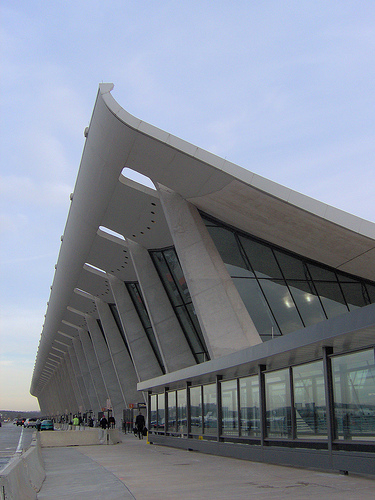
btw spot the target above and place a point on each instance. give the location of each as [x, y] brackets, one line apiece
[107, 369]
[223, 317]
[78, 376]
[122, 363]
[86, 376]
[143, 356]
[68, 380]
[92, 362]
[74, 383]
[61, 399]
[173, 346]
[66, 384]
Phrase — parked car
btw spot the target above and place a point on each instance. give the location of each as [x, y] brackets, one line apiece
[30, 422]
[47, 425]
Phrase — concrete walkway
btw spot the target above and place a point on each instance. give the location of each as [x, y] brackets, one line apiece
[135, 470]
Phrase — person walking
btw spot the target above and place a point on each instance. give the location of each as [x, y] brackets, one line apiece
[103, 422]
[140, 425]
[76, 422]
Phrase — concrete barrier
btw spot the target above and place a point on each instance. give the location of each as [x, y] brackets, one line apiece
[23, 477]
[87, 437]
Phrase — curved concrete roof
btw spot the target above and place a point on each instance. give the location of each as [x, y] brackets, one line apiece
[104, 198]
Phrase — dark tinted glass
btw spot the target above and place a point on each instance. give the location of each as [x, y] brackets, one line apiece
[261, 259]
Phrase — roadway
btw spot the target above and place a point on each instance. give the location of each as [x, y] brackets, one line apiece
[13, 440]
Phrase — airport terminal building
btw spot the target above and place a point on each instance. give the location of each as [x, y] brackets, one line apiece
[240, 313]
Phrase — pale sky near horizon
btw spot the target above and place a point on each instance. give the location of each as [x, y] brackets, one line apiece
[282, 88]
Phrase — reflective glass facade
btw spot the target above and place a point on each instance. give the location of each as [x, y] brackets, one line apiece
[287, 405]
[170, 272]
[284, 292]
[136, 296]
[354, 395]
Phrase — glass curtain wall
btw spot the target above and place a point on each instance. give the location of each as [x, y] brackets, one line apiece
[209, 409]
[170, 272]
[279, 421]
[172, 411]
[309, 400]
[136, 296]
[354, 403]
[284, 292]
[229, 403]
[249, 406]
[181, 412]
[354, 395]
[196, 410]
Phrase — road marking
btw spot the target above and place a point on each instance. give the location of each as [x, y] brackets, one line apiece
[19, 447]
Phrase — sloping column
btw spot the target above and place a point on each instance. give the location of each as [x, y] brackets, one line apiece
[52, 398]
[173, 346]
[144, 359]
[122, 363]
[73, 380]
[86, 376]
[95, 371]
[59, 389]
[106, 367]
[69, 381]
[66, 384]
[78, 376]
[226, 325]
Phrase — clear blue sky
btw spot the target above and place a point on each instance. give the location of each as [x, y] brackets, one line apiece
[283, 88]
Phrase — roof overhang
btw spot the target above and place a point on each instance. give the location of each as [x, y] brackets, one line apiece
[103, 197]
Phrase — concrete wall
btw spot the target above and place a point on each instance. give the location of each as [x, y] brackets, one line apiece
[23, 477]
[86, 437]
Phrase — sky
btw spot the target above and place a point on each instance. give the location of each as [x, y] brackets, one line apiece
[284, 89]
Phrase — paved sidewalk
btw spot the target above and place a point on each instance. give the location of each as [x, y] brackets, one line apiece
[135, 470]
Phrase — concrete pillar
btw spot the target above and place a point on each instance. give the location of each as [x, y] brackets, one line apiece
[122, 363]
[111, 382]
[74, 384]
[143, 356]
[223, 317]
[92, 362]
[66, 384]
[173, 346]
[86, 376]
[79, 378]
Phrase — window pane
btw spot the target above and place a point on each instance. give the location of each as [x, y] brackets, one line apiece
[261, 259]
[278, 404]
[282, 305]
[172, 414]
[292, 267]
[181, 412]
[354, 395]
[355, 294]
[229, 408]
[309, 400]
[255, 303]
[227, 246]
[307, 302]
[168, 280]
[210, 409]
[189, 330]
[154, 414]
[249, 405]
[371, 291]
[332, 298]
[196, 410]
[179, 278]
[161, 410]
